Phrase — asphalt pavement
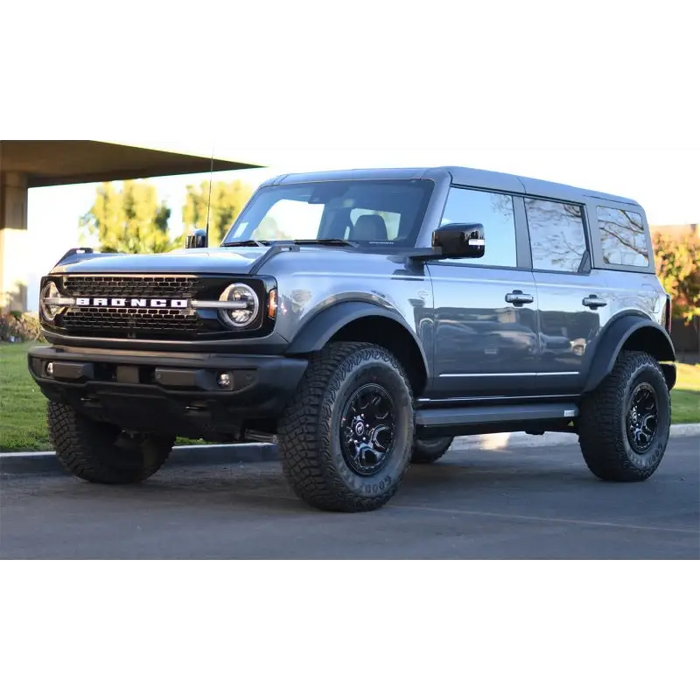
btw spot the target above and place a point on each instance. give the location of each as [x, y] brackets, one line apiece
[524, 503]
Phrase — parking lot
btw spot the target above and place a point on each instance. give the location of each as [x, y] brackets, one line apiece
[536, 502]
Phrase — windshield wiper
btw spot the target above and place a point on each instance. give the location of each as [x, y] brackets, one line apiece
[251, 242]
[326, 241]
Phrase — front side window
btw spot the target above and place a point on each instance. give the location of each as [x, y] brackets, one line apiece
[557, 235]
[495, 212]
[622, 237]
[364, 212]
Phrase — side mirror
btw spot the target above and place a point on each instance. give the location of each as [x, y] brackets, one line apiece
[198, 239]
[460, 240]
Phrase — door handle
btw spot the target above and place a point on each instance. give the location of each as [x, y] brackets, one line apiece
[517, 298]
[593, 302]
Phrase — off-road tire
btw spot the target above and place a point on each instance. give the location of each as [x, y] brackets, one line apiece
[602, 424]
[99, 452]
[309, 432]
[429, 451]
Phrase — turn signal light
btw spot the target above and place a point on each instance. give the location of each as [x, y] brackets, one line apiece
[667, 313]
[272, 304]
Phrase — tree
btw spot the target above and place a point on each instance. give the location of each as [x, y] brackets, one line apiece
[678, 268]
[227, 202]
[130, 220]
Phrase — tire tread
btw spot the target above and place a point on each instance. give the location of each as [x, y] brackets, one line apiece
[82, 453]
[302, 447]
[602, 442]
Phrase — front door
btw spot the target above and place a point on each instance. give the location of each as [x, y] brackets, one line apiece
[485, 310]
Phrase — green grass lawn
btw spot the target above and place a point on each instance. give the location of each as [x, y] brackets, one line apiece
[23, 406]
[685, 398]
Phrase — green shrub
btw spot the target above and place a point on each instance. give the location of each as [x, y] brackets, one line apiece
[17, 327]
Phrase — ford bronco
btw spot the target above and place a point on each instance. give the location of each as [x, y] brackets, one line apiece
[363, 319]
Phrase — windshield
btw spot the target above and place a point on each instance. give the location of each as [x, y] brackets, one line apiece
[363, 212]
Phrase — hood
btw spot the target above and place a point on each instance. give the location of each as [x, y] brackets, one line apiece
[223, 261]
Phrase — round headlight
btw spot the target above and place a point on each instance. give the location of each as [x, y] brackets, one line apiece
[48, 310]
[247, 301]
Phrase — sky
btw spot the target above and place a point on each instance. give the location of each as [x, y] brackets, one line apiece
[663, 176]
[661, 172]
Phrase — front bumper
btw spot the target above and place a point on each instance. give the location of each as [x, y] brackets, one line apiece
[171, 393]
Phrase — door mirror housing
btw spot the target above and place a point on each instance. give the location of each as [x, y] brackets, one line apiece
[198, 239]
[460, 240]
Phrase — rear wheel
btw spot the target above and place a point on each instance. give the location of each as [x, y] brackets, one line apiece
[428, 451]
[103, 453]
[347, 435]
[625, 423]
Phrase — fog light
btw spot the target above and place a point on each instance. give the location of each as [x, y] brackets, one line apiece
[49, 369]
[224, 380]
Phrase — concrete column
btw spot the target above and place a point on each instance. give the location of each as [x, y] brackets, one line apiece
[13, 232]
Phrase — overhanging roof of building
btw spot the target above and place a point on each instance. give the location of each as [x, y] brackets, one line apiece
[71, 162]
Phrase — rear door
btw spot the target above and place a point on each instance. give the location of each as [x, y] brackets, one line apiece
[574, 302]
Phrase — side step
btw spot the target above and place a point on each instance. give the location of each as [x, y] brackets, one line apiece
[475, 420]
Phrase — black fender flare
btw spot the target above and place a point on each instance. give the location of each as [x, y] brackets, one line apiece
[317, 331]
[614, 338]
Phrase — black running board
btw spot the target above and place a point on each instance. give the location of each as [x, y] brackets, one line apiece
[475, 420]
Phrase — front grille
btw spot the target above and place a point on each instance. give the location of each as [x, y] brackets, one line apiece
[102, 322]
[149, 323]
[130, 286]
[132, 322]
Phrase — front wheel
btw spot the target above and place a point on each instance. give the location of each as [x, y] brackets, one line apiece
[347, 435]
[103, 453]
[625, 423]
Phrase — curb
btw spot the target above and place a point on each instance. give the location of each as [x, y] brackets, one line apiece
[19, 463]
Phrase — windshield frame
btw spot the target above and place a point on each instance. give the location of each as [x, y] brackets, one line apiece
[426, 187]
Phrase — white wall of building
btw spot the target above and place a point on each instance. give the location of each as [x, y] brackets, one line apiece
[28, 256]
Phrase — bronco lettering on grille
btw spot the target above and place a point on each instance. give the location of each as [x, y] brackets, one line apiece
[132, 303]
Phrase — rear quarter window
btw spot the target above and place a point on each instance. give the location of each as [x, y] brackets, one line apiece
[622, 237]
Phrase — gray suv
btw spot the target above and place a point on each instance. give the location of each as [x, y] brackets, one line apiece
[363, 319]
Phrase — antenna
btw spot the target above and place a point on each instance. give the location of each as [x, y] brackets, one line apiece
[200, 238]
[211, 181]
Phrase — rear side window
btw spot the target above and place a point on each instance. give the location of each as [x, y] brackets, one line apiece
[557, 235]
[622, 237]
